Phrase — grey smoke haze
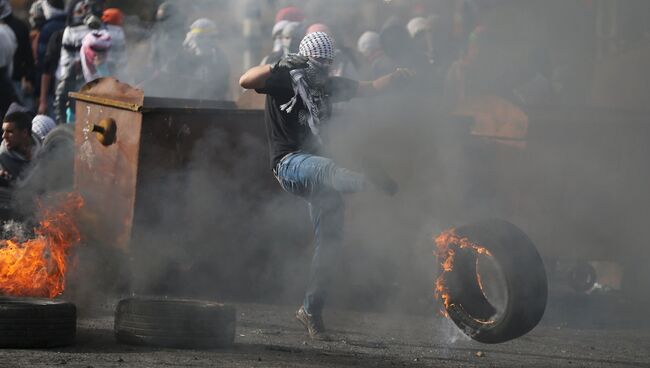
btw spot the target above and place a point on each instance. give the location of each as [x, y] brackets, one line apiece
[578, 188]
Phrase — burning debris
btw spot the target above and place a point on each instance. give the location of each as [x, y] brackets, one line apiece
[447, 244]
[36, 266]
[492, 282]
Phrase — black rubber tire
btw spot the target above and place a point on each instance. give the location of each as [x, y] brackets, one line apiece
[524, 276]
[581, 277]
[176, 323]
[36, 323]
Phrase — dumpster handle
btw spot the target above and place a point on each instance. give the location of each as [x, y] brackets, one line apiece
[106, 131]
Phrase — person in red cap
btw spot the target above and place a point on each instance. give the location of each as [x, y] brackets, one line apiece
[290, 13]
[113, 16]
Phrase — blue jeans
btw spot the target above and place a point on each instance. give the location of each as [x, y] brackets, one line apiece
[320, 182]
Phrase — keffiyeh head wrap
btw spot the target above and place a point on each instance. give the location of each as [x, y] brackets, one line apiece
[308, 83]
[317, 45]
[41, 125]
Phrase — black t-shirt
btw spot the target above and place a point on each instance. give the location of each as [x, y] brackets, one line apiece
[289, 131]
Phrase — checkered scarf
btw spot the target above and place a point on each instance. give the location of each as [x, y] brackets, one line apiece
[308, 83]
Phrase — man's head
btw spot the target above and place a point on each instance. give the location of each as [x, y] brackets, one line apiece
[17, 131]
[317, 46]
[79, 10]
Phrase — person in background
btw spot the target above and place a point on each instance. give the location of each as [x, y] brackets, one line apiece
[167, 38]
[83, 17]
[94, 55]
[376, 63]
[117, 57]
[402, 52]
[289, 39]
[456, 89]
[113, 16]
[42, 125]
[19, 146]
[48, 76]
[291, 14]
[299, 96]
[205, 63]
[23, 63]
[344, 64]
[36, 17]
[276, 35]
[54, 20]
[420, 30]
[8, 45]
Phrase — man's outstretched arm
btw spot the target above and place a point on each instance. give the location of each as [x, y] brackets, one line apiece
[382, 84]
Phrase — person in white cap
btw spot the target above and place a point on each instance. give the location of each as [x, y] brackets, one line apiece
[299, 95]
[42, 125]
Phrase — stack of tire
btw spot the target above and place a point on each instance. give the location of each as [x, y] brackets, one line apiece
[36, 323]
[175, 323]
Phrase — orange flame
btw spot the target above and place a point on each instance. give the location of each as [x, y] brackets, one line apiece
[446, 245]
[37, 267]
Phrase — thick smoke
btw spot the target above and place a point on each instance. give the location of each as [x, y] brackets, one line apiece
[221, 228]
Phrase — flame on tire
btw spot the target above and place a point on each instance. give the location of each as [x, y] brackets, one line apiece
[36, 267]
[447, 243]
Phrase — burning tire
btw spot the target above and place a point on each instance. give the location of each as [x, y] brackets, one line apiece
[517, 300]
[176, 323]
[36, 323]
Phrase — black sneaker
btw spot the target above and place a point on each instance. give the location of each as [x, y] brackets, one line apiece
[313, 324]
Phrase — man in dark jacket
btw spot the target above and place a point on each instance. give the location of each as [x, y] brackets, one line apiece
[19, 146]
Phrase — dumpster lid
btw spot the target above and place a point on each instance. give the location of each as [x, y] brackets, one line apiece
[111, 92]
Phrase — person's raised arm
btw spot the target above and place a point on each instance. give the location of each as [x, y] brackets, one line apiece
[257, 76]
[384, 83]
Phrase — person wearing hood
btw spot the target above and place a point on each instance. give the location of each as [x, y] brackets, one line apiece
[289, 39]
[205, 62]
[19, 146]
[22, 75]
[276, 36]
[376, 63]
[299, 95]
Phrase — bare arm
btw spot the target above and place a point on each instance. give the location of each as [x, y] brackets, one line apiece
[255, 77]
[382, 84]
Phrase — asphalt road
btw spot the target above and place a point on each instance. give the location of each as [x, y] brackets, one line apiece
[268, 336]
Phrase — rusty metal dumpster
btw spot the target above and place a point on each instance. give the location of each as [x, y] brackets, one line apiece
[170, 179]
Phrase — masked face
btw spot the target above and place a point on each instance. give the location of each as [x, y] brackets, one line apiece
[317, 72]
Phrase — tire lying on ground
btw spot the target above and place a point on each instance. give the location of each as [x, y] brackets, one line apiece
[36, 323]
[523, 279]
[177, 323]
